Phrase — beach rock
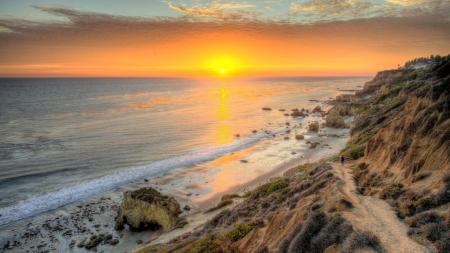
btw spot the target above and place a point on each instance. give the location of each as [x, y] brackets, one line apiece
[299, 137]
[114, 241]
[237, 135]
[145, 208]
[334, 119]
[317, 109]
[314, 127]
[139, 241]
[295, 110]
[266, 109]
[282, 110]
[286, 114]
[286, 138]
[288, 131]
[254, 131]
[244, 161]
[95, 240]
[297, 114]
[187, 208]
[313, 145]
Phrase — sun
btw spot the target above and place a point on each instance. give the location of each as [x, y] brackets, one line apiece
[223, 70]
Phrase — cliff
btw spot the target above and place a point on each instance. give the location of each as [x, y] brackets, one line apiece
[400, 140]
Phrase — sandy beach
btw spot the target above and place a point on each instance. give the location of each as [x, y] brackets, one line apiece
[200, 187]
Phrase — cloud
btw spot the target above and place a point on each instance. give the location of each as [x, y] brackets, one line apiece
[216, 10]
[353, 8]
[89, 42]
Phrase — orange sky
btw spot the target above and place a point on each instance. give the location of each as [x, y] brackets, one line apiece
[93, 44]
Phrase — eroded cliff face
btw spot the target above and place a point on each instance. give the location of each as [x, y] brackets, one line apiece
[418, 137]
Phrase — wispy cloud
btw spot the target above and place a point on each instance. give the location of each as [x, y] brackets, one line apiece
[352, 8]
[217, 10]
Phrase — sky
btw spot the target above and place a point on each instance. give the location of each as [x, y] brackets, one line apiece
[204, 38]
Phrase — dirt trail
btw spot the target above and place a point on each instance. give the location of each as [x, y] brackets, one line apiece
[375, 215]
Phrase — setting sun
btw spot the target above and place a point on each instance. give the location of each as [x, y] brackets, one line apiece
[223, 70]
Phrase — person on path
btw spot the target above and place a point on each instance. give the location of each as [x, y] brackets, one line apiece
[342, 160]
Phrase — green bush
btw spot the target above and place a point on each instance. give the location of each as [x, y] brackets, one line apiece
[355, 152]
[391, 192]
[210, 243]
[266, 189]
[240, 231]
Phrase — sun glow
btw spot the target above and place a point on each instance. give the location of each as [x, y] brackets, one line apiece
[222, 65]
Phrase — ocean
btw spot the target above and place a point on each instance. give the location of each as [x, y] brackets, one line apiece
[63, 140]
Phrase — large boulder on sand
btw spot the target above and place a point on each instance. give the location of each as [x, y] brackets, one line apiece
[334, 119]
[147, 207]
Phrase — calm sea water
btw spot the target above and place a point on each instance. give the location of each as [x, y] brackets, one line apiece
[64, 139]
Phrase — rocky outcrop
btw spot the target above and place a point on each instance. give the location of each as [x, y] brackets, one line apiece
[334, 119]
[147, 207]
[297, 114]
[266, 109]
[317, 109]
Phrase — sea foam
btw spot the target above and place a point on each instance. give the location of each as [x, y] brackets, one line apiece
[44, 202]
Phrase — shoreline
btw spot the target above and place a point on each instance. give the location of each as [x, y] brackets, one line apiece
[198, 218]
[59, 229]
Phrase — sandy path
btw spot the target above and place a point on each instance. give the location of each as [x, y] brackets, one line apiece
[375, 215]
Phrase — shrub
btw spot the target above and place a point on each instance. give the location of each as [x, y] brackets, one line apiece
[210, 243]
[447, 219]
[229, 196]
[263, 250]
[344, 204]
[280, 198]
[424, 204]
[335, 232]
[421, 219]
[284, 244]
[312, 226]
[247, 194]
[443, 245]
[319, 185]
[220, 205]
[359, 240]
[442, 196]
[432, 231]
[240, 231]
[355, 152]
[391, 192]
[446, 178]
[420, 176]
[405, 208]
[266, 189]
[217, 220]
